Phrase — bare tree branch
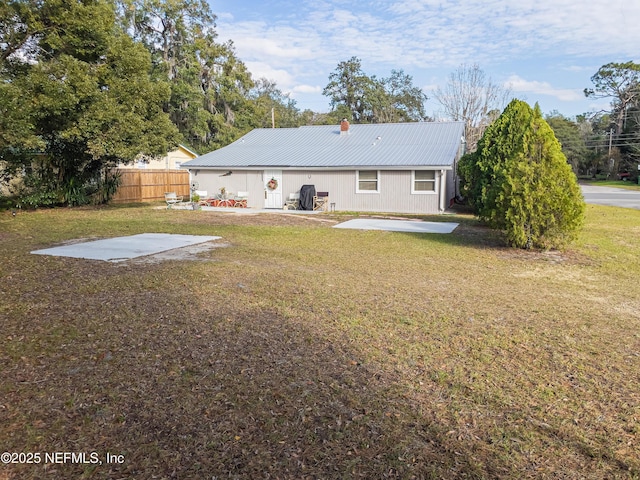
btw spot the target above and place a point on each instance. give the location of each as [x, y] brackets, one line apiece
[471, 97]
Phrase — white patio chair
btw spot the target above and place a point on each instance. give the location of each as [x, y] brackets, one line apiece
[292, 202]
[172, 199]
[241, 199]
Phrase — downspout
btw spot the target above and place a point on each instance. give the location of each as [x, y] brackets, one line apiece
[456, 180]
[443, 188]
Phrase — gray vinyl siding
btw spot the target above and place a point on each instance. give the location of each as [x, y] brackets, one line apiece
[239, 181]
[394, 194]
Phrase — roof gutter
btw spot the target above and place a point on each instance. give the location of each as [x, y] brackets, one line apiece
[308, 168]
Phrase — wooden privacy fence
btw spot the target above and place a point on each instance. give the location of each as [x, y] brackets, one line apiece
[150, 185]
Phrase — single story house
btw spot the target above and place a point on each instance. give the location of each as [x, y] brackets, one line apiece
[171, 161]
[399, 167]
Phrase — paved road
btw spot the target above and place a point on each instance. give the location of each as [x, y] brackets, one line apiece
[616, 197]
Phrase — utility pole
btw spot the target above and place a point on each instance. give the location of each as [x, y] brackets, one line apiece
[610, 159]
[273, 118]
[610, 140]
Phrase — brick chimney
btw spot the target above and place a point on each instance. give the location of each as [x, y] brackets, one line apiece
[344, 127]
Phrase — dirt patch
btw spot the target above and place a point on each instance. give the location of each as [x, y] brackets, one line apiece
[255, 219]
[190, 253]
[475, 234]
[553, 257]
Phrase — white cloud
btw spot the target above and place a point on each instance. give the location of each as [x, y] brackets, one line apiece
[581, 68]
[282, 77]
[299, 47]
[503, 28]
[429, 90]
[226, 16]
[521, 85]
[257, 40]
[418, 32]
[307, 89]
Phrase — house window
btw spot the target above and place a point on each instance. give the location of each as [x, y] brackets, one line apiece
[367, 181]
[424, 181]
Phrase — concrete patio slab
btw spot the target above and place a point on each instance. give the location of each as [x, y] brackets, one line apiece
[398, 225]
[124, 248]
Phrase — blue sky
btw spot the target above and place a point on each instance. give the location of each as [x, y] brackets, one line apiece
[545, 50]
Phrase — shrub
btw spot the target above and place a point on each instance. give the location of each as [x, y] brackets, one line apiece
[519, 181]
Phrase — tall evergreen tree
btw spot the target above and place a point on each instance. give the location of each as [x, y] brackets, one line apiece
[519, 181]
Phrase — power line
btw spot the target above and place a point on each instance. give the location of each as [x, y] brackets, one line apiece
[605, 140]
[603, 145]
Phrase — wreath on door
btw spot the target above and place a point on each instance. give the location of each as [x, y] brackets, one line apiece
[272, 184]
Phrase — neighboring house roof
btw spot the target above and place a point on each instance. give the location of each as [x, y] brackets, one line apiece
[382, 145]
[188, 150]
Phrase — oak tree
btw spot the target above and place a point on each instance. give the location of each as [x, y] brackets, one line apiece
[367, 99]
[87, 99]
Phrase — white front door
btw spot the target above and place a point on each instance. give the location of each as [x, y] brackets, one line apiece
[273, 196]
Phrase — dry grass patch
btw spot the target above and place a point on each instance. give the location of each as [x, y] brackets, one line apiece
[301, 351]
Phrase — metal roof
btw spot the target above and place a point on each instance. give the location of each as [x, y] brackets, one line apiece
[384, 145]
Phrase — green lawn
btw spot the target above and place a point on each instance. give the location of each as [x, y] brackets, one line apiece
[294, 350]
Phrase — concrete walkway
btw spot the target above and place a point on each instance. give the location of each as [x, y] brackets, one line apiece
[358, 224]
[398, 225]
[246, 211]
